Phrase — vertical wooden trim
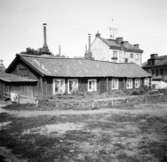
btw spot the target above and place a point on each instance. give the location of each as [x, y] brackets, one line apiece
[107, 85]
[41, 86]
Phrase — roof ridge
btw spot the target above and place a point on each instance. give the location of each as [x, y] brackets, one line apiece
[73, 58]
[131, 48]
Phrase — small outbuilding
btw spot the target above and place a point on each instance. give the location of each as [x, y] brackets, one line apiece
[16, 87]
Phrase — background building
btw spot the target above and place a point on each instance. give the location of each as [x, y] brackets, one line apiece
[157, 67]
[116, 50]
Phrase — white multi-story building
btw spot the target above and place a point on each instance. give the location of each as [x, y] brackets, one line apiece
[115, 50]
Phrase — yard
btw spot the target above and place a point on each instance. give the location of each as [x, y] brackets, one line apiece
[130, 133]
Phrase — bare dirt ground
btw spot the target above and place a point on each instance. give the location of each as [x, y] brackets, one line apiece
[135, 133]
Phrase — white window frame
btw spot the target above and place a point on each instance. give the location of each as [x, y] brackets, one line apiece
[61, 83]
[137, 83]
[115, 83]
[129, 84]
[75, 81]
[147, 82]
[94, 85]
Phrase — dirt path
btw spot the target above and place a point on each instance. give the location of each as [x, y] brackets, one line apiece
[157, 109]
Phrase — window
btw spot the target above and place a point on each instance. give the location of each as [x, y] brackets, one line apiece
[126, 60]
[92, 85]
[147, 82]
[131, 55]
[137, 83]
[129, 84]
[161, 72]
[157, 72]
[114, 54]
[72, 85]
[137, 56]
[58, 86]
[114, 84]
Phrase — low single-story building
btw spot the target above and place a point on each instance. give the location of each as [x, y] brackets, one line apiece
[56, 75]
[11, 84]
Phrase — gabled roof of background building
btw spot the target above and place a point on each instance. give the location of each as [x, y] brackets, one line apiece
[113, 44]
[6, 77]
[77, 67]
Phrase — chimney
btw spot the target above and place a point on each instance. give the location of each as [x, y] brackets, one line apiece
[89, 43]
[119, 39]
[153, 56]
[88, 53]
[45, 49]
[125, 42]
[44, 35]
[98, 34]
[136, 45]
[59, 50]
[2, 67]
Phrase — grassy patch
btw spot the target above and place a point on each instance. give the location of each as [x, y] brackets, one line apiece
[103, 137]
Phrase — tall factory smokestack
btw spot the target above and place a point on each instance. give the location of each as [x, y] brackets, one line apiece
[89, 42]
[45, 36]
[45, 49]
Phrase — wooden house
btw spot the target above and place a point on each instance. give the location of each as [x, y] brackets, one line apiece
[56, 75]
[157, 67]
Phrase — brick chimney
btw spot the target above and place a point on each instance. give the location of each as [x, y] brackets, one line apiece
[125, 42]
[119, 39]
[136, 45]
[153, 56]
[98, 34]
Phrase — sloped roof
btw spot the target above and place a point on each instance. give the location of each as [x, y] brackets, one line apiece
[6, 77]
[131, 48]
[113, 44]
[159, 61]
[77, 67]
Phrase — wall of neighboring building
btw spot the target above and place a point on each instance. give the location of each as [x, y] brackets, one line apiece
[133, 57]
[101, 51]
[158, 72]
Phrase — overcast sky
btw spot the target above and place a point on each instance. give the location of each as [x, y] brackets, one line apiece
[69, 22]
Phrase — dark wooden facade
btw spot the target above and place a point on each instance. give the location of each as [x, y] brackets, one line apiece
[23, 89]
[157, 67]
[44, 85]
